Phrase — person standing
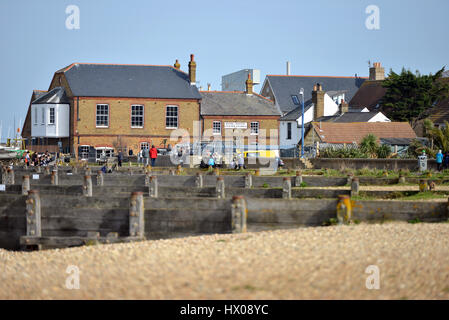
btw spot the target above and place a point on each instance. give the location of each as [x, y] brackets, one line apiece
[120, 158]
[153, 155]
[146, 155]
[439, 158]
[446, 160]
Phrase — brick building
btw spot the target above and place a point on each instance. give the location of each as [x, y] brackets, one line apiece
[113, 107]
[229, 115]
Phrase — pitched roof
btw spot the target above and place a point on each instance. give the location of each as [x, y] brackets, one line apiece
[368, 96]
[446, 74]
[285, 86]
[440, 112]
[296, 113]
[55, 96]
[349, 117]
[331, 132]
[236, 103]
[133, 81]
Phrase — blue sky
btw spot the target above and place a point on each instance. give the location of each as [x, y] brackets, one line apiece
[319, 37]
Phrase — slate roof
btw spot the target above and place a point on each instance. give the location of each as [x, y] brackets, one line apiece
[238, 103]
[296, 113]
[349, 117]
[285, 86]
[331, 132]
[368, 96]
[55, 96]
[133, 81]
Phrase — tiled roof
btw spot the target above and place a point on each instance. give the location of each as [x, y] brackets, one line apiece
[331, 132]
[368, 96]
[285, 86]
[440, 112]
[234, 103]
[132, 81]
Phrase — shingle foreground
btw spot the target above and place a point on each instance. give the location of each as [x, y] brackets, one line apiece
[309, 263]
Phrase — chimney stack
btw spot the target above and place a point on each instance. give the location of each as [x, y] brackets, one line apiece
[249, 85]
[344, 107]
[192, 71]
[376, 72]
[318, 101]
[177, 65]
[288, 68]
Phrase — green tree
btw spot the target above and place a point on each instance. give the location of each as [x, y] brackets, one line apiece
[369, 145]
[439, 136]
[410, 96]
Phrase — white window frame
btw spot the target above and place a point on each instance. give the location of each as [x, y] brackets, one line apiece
[137, 116]
[102, 115]
[171, 116]
[50, 116]
[103, 151]
[254, 132]
[218, 132]
[84, 152]
[144, 145]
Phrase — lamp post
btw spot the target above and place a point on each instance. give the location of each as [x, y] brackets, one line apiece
[301, 92]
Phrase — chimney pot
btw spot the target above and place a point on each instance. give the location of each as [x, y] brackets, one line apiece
[177, 65]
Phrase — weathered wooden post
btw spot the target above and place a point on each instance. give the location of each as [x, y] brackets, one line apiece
[4, 175]
[248, 180]
[25, 184]
[33, 214]
[100, 178]
[344, 209]
[11, 177]
[147, 178]
[350, 177]
[239, 214]
[355, 186]
[153, 188]
[423, 186]
[87, 171]
[148, 169]
[220, 188]
[287, 188]
[199, 180]
[298, 178]
[87, 186]
[54, 178]
[136, 215]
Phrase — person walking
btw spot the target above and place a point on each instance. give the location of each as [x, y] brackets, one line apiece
[446, 161]
[146, 156]
[439, 158]
[153, 155]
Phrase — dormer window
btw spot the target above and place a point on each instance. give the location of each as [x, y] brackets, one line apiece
[295, 100]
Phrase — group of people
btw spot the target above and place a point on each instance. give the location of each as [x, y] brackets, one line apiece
[442, 160]
[146, 155]
[36, 159]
